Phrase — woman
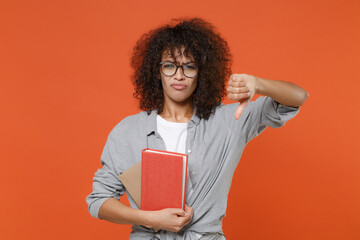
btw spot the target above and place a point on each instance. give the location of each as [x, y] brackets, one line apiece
[180, 77]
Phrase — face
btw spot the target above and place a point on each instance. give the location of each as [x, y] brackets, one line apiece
[178, 88]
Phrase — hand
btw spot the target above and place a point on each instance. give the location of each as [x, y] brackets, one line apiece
[172, 219]
[241, 87]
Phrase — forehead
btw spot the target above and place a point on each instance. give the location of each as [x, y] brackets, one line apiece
[177, 55]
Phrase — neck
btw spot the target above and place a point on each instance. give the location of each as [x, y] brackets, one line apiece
[177, 112]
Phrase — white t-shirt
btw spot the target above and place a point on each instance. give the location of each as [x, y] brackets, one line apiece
[174, 135]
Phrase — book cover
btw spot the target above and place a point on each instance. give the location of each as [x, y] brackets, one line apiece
[163, 179]
[131, 179]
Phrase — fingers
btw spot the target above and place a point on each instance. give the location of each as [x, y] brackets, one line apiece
[187, 219]
[240, 109]
[236, 94]
[188, 215]
[238, 77]
[189, 211]
[238, 88]
[231, 89]
[182, 217]
[241, 87]
[174, 219]
[238, 97]
[188, 208]
[237, 83]
[177, 211]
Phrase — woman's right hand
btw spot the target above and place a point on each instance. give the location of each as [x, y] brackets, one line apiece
[170, 219]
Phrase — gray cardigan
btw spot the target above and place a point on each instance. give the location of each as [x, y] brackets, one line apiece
[214, 147]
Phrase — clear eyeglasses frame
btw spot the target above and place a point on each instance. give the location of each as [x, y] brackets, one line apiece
[169, 69]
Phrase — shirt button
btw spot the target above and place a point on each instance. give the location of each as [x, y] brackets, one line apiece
[189, 150]
[193, 172]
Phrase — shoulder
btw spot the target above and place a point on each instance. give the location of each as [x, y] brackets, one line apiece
[132, 120]
[131, 124]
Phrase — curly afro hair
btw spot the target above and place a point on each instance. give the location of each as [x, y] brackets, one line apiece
[211, 54]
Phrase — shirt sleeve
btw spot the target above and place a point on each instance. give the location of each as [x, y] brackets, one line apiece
[258, 114]
[264, 112]
[106, 183]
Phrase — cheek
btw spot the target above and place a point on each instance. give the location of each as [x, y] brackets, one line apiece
[163, 82]
[194, 84]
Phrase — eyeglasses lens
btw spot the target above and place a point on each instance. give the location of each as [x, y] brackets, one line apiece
[189, 70]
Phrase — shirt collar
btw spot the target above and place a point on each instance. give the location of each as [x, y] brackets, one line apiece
[151, 124]
[195, 119]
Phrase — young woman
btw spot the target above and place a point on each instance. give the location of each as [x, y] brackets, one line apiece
[180, 75]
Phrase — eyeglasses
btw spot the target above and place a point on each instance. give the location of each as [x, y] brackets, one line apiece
[169, 69]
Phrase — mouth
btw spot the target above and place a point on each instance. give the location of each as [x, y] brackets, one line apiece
[178, 86]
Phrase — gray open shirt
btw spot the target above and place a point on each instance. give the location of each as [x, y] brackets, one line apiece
[214, 147]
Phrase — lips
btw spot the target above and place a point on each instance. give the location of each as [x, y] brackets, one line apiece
[178, 86]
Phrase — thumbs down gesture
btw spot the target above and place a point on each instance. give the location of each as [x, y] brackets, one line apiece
[241, 88]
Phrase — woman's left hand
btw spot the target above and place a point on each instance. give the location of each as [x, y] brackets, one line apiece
[241, 87]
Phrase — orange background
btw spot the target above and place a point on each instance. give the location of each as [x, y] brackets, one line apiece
[64, 71]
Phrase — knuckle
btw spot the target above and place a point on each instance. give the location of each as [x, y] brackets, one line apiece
[243, 74]
[234, 77]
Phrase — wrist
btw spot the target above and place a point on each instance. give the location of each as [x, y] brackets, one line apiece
[148, 219]
[259, 88]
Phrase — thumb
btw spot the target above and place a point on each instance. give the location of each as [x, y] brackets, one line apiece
[241, 108]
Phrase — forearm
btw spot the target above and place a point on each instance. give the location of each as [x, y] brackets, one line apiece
[171, 219]
[285, 93]
[115, 211]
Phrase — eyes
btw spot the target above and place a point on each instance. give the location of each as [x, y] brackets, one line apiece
[169, 65]
[169, 69]
[190, 66]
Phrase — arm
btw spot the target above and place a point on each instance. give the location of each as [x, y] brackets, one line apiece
[170, 219]
[285, 93]
[104, 202]
[242, 88]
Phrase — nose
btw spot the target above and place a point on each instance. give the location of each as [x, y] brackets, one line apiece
[179, 74]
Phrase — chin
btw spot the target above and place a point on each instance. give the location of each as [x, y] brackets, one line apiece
[183, 100]
[179, 97]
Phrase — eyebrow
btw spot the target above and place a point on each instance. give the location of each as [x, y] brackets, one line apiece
[176, 63]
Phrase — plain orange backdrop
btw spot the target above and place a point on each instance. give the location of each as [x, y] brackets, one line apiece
[65, 83]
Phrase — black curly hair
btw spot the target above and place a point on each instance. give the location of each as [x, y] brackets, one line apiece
[211, 54]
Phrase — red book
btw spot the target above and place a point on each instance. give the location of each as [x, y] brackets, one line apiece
[163, 179]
